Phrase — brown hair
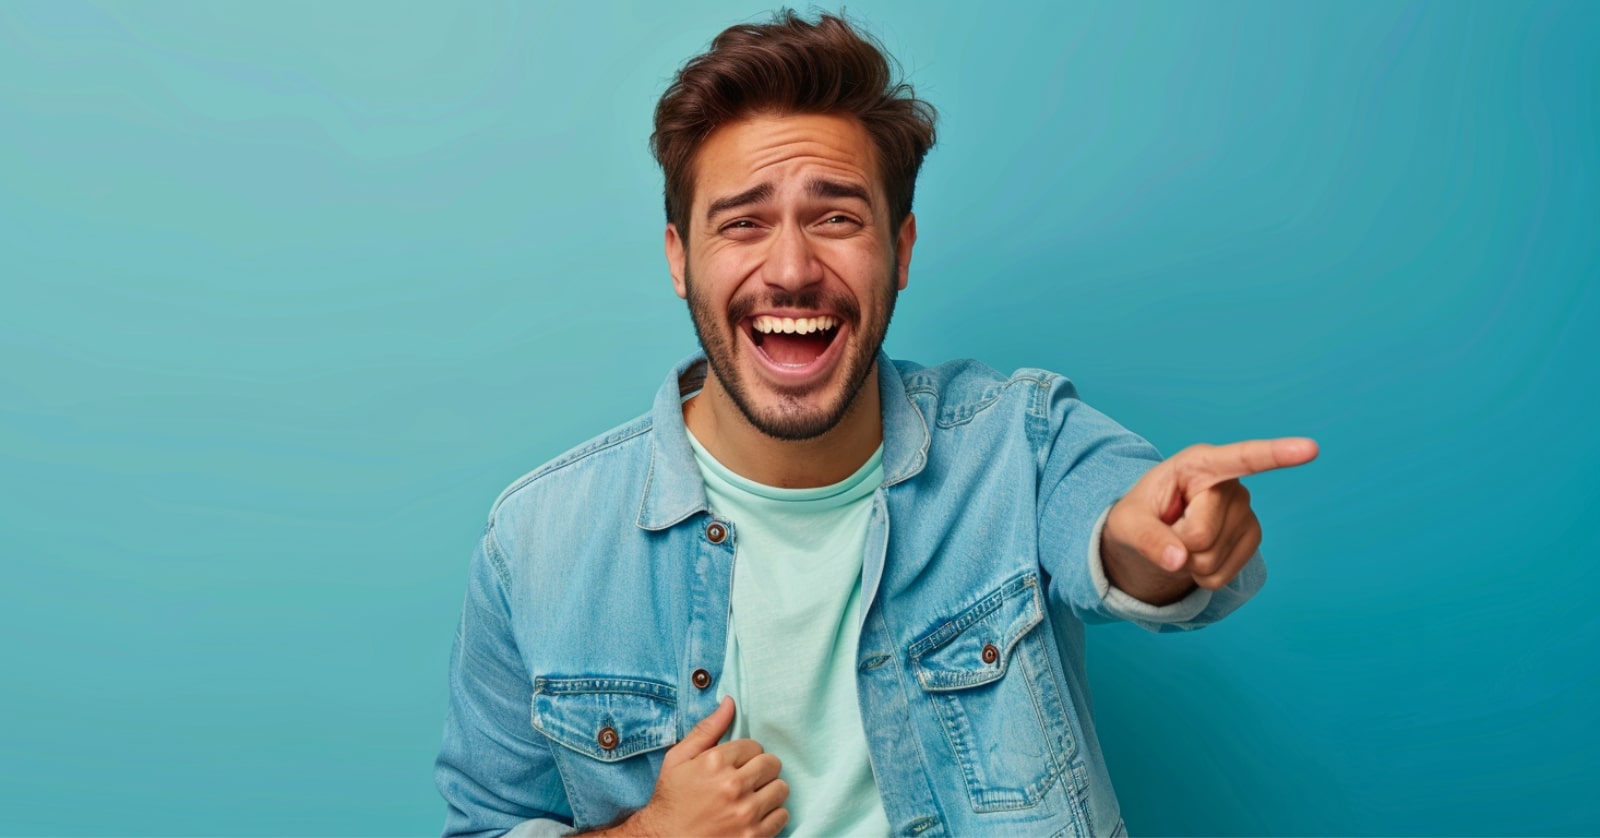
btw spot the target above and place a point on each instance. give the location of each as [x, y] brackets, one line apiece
[792, 66]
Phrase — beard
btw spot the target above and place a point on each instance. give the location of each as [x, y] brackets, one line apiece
[803, 413]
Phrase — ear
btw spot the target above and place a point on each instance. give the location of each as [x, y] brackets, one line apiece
[675, 259]
[903, 242]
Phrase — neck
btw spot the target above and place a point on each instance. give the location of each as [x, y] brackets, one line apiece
[724, 431]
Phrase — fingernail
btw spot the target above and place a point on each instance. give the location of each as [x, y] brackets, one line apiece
[1172, 557]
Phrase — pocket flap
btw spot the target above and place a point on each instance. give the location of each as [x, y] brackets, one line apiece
[975, 647]
[608, 719]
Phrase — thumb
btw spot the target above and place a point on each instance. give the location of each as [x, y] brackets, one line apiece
[703, 736]
[1148, 536]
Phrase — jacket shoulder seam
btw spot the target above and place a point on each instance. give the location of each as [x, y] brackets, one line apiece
[929, 381]
[612, 439]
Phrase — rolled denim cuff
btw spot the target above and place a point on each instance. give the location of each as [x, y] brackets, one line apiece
[1122, 605]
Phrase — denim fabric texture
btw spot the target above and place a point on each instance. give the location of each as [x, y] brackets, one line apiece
[599, 587]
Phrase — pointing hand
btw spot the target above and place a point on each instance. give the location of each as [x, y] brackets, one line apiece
[1188, 520]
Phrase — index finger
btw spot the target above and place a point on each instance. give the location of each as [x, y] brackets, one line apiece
[1206, 466]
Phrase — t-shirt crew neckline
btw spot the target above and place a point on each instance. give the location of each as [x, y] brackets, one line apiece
[830, 496]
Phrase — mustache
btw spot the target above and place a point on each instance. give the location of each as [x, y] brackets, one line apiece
[808, 300]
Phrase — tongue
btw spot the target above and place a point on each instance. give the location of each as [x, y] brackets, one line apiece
[795, 350]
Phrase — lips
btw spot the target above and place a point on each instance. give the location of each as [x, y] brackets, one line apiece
[795, 351]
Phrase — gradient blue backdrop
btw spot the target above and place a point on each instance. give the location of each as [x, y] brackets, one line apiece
[289, 291]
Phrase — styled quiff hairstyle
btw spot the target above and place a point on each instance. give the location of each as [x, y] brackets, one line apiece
[790, 66]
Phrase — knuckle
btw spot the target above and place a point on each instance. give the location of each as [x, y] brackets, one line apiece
[1199, 536]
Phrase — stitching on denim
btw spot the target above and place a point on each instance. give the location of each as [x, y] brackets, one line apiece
[925, 382]
[591, 685]
[953, 627]
[1030, 680]
[649, 477]
[905, 697]
[578, 812]
[963, 412]
[658, 699]
[491, 549]
[946, 680]
[638, 427]
[1038, 422]
[952, 714]
[1069, 709]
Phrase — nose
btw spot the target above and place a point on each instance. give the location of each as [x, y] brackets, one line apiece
[791, 263]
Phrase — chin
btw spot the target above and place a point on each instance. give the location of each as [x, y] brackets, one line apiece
[797, 418]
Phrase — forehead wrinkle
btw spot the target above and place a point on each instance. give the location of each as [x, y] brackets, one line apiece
[828, 156]
[791, 156]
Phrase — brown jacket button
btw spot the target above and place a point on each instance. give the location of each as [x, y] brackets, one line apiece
[607, 738]
[701, 679]
[716, 532]
[990, 653]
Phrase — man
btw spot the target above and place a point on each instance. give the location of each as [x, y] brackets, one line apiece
[814, 589]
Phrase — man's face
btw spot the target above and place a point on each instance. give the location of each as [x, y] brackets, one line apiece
[790, 266]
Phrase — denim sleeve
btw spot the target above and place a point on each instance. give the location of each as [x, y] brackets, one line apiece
[1087, 462]
[495, 772]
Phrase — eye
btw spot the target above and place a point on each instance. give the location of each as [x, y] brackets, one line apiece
[839, 224]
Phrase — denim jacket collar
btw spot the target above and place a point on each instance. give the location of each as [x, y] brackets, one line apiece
[674, 490]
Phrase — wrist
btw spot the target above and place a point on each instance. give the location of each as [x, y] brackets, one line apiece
[636, 825]
[1140, 578]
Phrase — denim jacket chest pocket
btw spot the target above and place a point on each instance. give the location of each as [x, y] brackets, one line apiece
[988, 675]
[611, 733]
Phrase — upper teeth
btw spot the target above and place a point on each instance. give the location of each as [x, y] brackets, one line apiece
[768, 324]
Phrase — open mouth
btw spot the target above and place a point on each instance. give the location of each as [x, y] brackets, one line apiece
[793, 342]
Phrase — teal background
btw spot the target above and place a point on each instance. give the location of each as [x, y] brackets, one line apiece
[289, 291]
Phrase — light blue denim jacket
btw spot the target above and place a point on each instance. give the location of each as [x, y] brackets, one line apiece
[600, 588]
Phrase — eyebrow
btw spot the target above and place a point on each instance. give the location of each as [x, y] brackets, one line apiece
[753, 195]
[817, 188]
[822, 188]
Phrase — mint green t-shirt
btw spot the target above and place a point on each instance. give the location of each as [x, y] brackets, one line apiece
[790, 663]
